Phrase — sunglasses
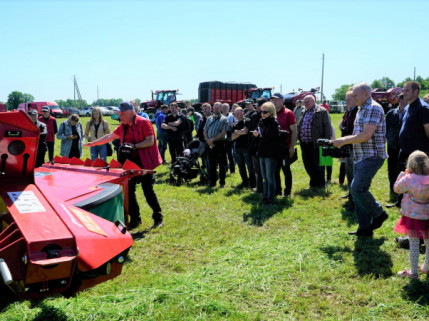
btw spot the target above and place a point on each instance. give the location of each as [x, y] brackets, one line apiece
[265, 111]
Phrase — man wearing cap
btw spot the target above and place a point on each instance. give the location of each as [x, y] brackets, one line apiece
[138, 132]
[195, 117]
[175, 123]
[287, 122]
[41, 148]
[298, 110]
[215, 135]
[255, 116]
[314, 124]
[51, 126]
[161, 132]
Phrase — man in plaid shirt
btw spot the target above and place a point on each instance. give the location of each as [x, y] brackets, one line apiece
[369, 140]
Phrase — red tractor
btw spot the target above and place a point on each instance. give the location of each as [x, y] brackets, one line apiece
[160, 97]
[255, 93]
[3, 107]
[291, 98]
[387, 98]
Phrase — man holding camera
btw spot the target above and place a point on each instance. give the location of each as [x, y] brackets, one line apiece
[368, 139]
[136, 133]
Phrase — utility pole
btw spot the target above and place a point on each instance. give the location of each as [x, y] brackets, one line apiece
[414, 73]
[323, 69]
[97, 94]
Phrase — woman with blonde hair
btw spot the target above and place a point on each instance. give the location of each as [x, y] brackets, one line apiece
[268, 149]
[97, 127]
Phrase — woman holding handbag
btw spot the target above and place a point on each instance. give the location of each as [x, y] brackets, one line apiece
[96, 128]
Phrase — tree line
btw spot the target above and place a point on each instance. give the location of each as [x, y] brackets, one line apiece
[16, 97]
[384, 83]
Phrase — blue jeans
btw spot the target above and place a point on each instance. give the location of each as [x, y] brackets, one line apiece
[162, 143]
[99, 151]
[366, 207]
[268, 171]
[243, 160]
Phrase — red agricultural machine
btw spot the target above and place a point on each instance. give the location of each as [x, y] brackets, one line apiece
[61, 225]
[387, 98]
[291, 98]
[255, 93]
[160, 97]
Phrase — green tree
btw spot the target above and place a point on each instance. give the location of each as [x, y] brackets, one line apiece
[376, 84]
[387, 82]
[28, 98]
[14, 99]
[340, 93]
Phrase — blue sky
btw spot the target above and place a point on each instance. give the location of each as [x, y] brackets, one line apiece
[128, 48]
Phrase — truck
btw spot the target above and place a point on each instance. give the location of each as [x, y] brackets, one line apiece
[387, 98]
[160, 97]
[56, 111]
[255, 93]
[224, 92]
[292, 97]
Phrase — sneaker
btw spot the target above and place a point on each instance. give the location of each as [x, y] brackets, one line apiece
[158, 224]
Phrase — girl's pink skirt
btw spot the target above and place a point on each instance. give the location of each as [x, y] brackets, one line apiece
[406, 224]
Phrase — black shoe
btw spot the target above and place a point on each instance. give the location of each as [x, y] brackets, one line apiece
[378, 221]
[158, 224]
[403, 242]
[362, 232]
[397, 204]
[346, 195]
[134, 223]
[349, 206]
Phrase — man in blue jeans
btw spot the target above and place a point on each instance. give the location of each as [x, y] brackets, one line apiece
[161, 132]
[369, 153]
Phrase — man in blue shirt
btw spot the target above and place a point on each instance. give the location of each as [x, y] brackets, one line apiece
[162, 134]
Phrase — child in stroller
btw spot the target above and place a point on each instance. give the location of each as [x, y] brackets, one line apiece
[187, 167]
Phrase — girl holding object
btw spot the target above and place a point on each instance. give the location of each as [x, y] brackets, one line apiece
[414, 184]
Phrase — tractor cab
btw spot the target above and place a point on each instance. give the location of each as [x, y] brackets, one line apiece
[255, 93]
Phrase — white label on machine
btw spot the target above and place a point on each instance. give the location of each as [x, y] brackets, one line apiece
[26, 202]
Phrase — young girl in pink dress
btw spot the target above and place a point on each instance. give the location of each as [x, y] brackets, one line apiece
[414, 184]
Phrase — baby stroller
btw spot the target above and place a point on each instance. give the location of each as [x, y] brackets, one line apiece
[187, 167]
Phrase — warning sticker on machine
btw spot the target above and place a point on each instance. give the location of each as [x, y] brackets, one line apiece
[26, 202]
[88, 222]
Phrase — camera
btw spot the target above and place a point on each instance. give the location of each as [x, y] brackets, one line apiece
[329, 150]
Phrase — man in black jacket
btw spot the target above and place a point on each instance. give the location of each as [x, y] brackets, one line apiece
[42, 147]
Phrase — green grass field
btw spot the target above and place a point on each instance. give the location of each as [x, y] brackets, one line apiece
[222, 256]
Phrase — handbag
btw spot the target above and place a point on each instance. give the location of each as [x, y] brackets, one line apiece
[109, 149]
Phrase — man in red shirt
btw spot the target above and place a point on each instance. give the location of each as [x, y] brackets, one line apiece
[325, 105]
[51, 125]
[287, 121]
[138, 132]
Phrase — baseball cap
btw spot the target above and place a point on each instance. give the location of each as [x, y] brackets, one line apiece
[45, 108]
[125, 105]
[32, 112]
[249, 101]
[277, 95]
[260, 101]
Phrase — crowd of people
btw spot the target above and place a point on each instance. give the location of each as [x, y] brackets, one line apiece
[260, 140]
